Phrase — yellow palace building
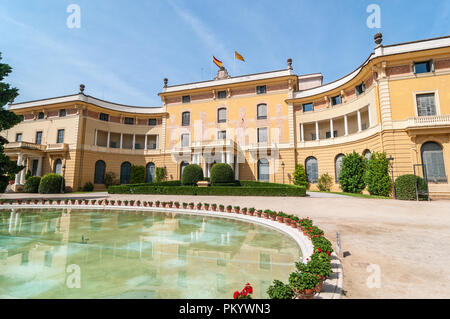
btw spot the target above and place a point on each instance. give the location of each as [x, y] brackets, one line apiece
[397, 101]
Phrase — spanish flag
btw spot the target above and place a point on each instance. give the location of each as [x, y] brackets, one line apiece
[217, 62]
[237, 56]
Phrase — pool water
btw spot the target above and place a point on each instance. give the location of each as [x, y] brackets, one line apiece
[124, 254]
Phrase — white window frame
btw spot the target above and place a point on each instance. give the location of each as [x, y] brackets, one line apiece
[436, 101]
[267, 135]
[189, 139]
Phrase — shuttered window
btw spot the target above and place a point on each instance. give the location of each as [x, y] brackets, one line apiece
[99, 174]
[338, 166]
[433, 160]
[311, 169]
[125, 171]
[263, 170]
[426, 104]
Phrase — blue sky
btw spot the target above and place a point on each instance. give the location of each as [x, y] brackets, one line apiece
[124, 49]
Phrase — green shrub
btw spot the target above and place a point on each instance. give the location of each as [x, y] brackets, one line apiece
[4, 180]
[351, 177]
[137, 174]
[110, 179]
[405, 187]
[325, 182]
[88, 187]
[299, 176]
[300, 281]
[28, 175]
[160, 174]
[377, 175]
[280, 290]
[50, 184]
[192, 174]
[221, 173]
[32, 184]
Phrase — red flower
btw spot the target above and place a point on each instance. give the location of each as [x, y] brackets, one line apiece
[236, 294]
[248, 289]
[244, 293]
[315, 236]
[319, 250]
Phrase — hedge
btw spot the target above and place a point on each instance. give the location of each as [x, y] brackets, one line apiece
[221, 173]
[405, 187]
[137, 174]
[32, 184]
[50, 184]
[3, 183]
[192, 174]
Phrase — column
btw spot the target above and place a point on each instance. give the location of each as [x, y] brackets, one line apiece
[157, 141]
[223, 158]
[370, 118]
[317, 131]
[346, 124]
[134, 141]
[302, 132]
[236, 169]
[121, 140]
[23, 173]
[331, 128]
[145, 142]
[229, 159]
[108, 139]
[205, 172]
[95, 137]
[359, 121]
[39, 168]
[19, 161]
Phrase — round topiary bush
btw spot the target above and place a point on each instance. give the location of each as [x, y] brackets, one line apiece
[405, 187]
[88, 187]
[192, 174]
[221, 173]
[50, 184]
[32, 184]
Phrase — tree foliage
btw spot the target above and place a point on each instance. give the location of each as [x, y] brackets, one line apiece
[351, 177]
[137, 174]
[299, 176]
[377, 175]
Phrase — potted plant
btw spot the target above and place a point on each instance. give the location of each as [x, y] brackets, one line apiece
[191, 205]
[112, 201]
[93, 201]
[177, 205]
[66, 201]
[266, 214]
[164, 204]
[106, 202]
[150, 203]
[19, 201]
[100, 201]
[279, 290]
[303, 284]
[214, 207]
[2, 201]
[259, 213]
[251, 211]
[199, 206]
[28, 201]
[131, 202]
[35, 201]
[245, 211]
[229, 208]
[246, 293]
[125, 202]
[170, 204]
[144, 203]
[157, 203]
[86, 202]
[206, 206]
[50, 201]
[280, 217]
[236, 209]
[72, 201]
[185, 205]
[222, 208]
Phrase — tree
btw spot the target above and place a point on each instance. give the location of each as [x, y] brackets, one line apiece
[7, 120]
[351, 177]
[299, 176]
[377, 175]
[161, 174]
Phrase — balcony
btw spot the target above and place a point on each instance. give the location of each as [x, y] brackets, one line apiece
[58, 147]
[262, 146]
[25, 146]
[213, 143]
[427, 121]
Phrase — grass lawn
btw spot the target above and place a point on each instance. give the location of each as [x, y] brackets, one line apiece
[354, 194]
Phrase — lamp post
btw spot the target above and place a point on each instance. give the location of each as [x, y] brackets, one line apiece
[391, 164]
[282, 166]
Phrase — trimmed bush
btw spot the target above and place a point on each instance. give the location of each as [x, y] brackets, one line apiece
[221, 173]
[137, 174]
[32, 184]
[88, 187]
[50, 184]
[299, 176]
[4, 180]
[351, 177]
[405, 187]
[324, 183]
[192, 174]
[377, 175]
[160, 174]
[111, 179]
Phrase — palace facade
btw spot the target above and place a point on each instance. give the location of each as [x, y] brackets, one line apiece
[397, 101]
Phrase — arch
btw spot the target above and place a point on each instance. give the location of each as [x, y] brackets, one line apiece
[367, 154]
[338, 165]
[125, 172]
[222, 115]
[57, 166]
[99, 172]
[263, 170]
[261, 111]
[41, 115]
[311, 167]
[433, 161]
[182, 166]
[150, 172]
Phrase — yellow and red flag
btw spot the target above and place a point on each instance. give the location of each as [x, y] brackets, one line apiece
[237, 56]
[217, 62]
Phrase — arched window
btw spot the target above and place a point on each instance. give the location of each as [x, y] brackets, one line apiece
[185, 119]
[261, 111]
[149, 172]
[338, 165]
[125, 171]
[182, 166]
[58, 166]
[41, 115]
[99, 173]
[222, 115]
[433, 160]
[263, 170]
[312, 172]
[367, 154]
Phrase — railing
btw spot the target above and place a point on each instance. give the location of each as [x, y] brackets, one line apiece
[434, 120]
[264, 145]
[56, 147]
[213, 143]
[25, 145]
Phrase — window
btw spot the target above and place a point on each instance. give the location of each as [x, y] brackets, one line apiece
[104, 117]
[62, 112]
[307, 107]
[360, 89]
[186, 119]
[152, 122]
[433, 160]
[41, 115]
[57, 167]
[222, 135]
[311, 169]
[261, 89]
[39, 137]
[222, 115]
[182, 166]
[262, 135]
[125, 171]
[335, 100]
[186, 99]
[99, 173]
[19, 137]
[128, 120]
[328, 134]
[184, 140]
[367, 154]
[423, 67]
[263, 170]
[261, 112]
[34, 167]
[60, 137]
[150, 172]
[313, 136]
[425, 104]
[338, 165]
[222, 94]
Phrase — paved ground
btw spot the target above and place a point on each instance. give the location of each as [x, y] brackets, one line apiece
[407, 241]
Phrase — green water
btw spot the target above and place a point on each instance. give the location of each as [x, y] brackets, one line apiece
[136, 255]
